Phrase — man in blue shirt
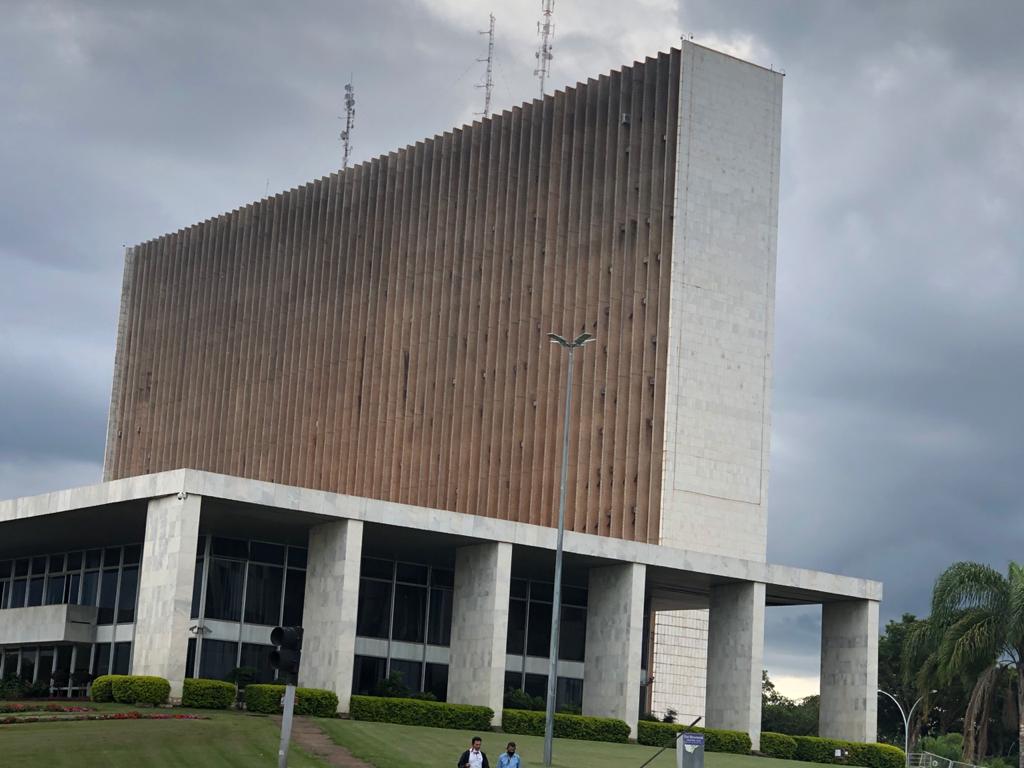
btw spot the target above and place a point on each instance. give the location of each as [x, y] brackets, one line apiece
[510, 759]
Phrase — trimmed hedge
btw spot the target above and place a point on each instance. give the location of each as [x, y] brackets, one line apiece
[102, 688]
[579, 727]
[434, 714]
[778, 745]
[140, 689]
[315, 702]
[715, 739]
[819, 750]
[207, 694]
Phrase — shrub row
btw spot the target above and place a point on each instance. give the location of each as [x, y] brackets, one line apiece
[715, 739]
[814, 749]
[207, 694]
[778, 745]
[131, 689]
[580, 727]
[315, 702]
[434, 714]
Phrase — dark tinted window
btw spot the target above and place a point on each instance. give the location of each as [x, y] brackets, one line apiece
[92, 558]
[436, 681]
[516, 627]
[90, 582]
[101, 664]
[56, 563]
[410, 613]
[294, 597]
[38, 566]
[126, 601]
[267, 553]
[122, 658]
[297, 557]
[263, 594]
[224, 591]
[217, 659]
[55, 590]
[257, 657]
[440, 630]
[366, 673]
[35, 591]
[234, 548]
[18, 589]
[374, 608]
[409, 671]
[21, 567]
[132, 554]
[108, 589]
[377, 569]
[74, 561]
[539, 633]
[416, 574]
[573, 634]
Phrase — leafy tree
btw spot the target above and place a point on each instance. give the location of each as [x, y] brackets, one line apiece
[780, 714]
[976, 634]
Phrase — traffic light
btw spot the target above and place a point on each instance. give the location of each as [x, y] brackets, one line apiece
[285, 657]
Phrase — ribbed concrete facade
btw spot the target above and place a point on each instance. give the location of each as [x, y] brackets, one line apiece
[381, 332]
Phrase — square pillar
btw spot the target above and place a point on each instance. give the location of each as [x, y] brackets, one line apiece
[735, 657]
[164, 608]
[330, 608]
[849, 670]
[476, 667]
[615, 622]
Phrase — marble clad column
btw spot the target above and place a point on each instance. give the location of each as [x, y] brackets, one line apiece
[163, 612]
[330, 608]
[735, 658]
[476, 668]
[849, 670]
[612, 665]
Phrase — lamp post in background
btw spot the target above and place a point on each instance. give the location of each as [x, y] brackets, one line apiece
[556, 607]
[906, 720]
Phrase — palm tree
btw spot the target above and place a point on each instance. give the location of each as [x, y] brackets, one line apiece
[976, 632]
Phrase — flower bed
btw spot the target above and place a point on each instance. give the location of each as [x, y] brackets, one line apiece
[45, 707]
[11, 720]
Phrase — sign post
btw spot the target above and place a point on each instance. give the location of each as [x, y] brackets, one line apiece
[285, 659]
[690, 750]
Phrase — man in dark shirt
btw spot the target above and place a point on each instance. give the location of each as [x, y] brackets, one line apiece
[474, 756]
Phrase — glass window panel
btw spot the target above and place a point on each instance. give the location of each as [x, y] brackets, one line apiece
[197, 589]
[442, 577]
[536, 685]
[55, 586]
[111, 557]
[436, 681]
[569, 694]
[132, 554]
[101, 665]
[294, 597]
[92, 558]
[108, 590]
[190, 658]
[374, 608]
[73, 584]
[572, 635]
[74, 561]
[45, 673]
[517, 588]
[409, 671]
[3, 594]
[82, 654]
[56, 563]
[416, 574]
[35, 591]
[218, 659]
[367, 672]
[574, 596]
[540, 590]
[513, 681]
[440, 630]
[28, 664]
[263, 594]
[373, 567]
[224, 591]
[410, 613]
[516, 627]
[266, 553]
[126, 601]
[539, 634]
[257, 657]
[234, 548]
[19, 587]
[90, 582]
[21, 567]
[296, 557]
[38, 565]
[5, 569]
[122, 658]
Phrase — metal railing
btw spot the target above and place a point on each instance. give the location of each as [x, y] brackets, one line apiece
[928, 760]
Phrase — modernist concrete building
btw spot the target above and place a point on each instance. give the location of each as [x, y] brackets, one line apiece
[338, 407]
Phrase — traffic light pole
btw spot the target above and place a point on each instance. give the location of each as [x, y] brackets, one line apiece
[288, 706]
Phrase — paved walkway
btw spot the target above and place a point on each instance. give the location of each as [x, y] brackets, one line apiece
[309, 736]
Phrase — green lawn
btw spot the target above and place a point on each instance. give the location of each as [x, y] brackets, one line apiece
[406, 746]
[226, 739]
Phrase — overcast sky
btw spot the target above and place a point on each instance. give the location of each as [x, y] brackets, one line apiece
[896, 445]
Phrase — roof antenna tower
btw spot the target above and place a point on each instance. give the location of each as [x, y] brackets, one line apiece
[546, 30]
[488, 83]
[350, 123]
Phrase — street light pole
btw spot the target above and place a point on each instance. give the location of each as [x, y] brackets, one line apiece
[556, 607]
[906, 720]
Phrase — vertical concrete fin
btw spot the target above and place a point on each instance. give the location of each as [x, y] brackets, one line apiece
[849, 670]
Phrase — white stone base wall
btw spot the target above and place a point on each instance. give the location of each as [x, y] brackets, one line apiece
[680, 666]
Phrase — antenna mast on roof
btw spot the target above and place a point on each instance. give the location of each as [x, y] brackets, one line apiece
[488, 83]
[350, 122]
[546, 30]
